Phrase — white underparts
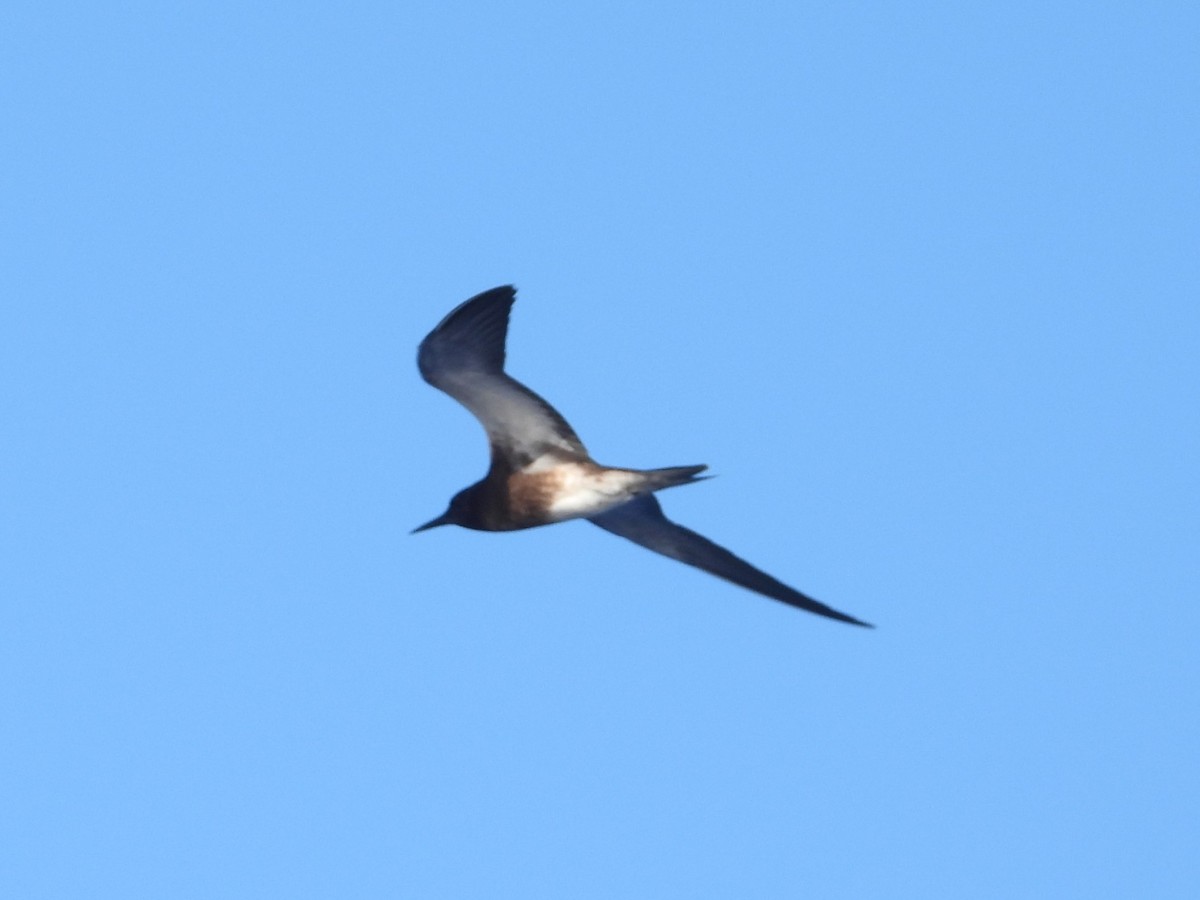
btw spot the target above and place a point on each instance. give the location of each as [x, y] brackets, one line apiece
[583, 491]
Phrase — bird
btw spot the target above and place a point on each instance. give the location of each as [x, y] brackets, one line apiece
[540, 471]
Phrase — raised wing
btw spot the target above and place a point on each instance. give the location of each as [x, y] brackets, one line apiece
[464, 356]
[641, 520]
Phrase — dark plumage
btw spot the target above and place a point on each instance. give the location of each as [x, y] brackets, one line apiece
[541, 472]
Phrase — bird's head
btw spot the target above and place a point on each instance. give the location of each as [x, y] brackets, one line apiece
[462, 512]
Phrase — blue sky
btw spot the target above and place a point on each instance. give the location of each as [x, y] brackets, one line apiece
[918, 282]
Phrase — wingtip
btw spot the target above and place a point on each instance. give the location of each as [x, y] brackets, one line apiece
[848, 619]
[501, 291]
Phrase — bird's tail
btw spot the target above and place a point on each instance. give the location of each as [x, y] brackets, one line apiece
[657, 479]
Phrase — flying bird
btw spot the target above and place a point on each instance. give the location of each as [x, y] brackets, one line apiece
[541, 472]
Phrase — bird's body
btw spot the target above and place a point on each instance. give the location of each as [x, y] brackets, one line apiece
[541, 473]
[554, 488]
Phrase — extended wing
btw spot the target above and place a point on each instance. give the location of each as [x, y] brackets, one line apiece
[464, 356]
[641, 520]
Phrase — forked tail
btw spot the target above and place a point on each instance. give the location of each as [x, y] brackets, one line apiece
[657, 479]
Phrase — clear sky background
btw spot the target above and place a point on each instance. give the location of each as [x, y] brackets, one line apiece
[921, 283]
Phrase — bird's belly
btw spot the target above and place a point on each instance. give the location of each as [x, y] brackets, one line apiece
[580, 490]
